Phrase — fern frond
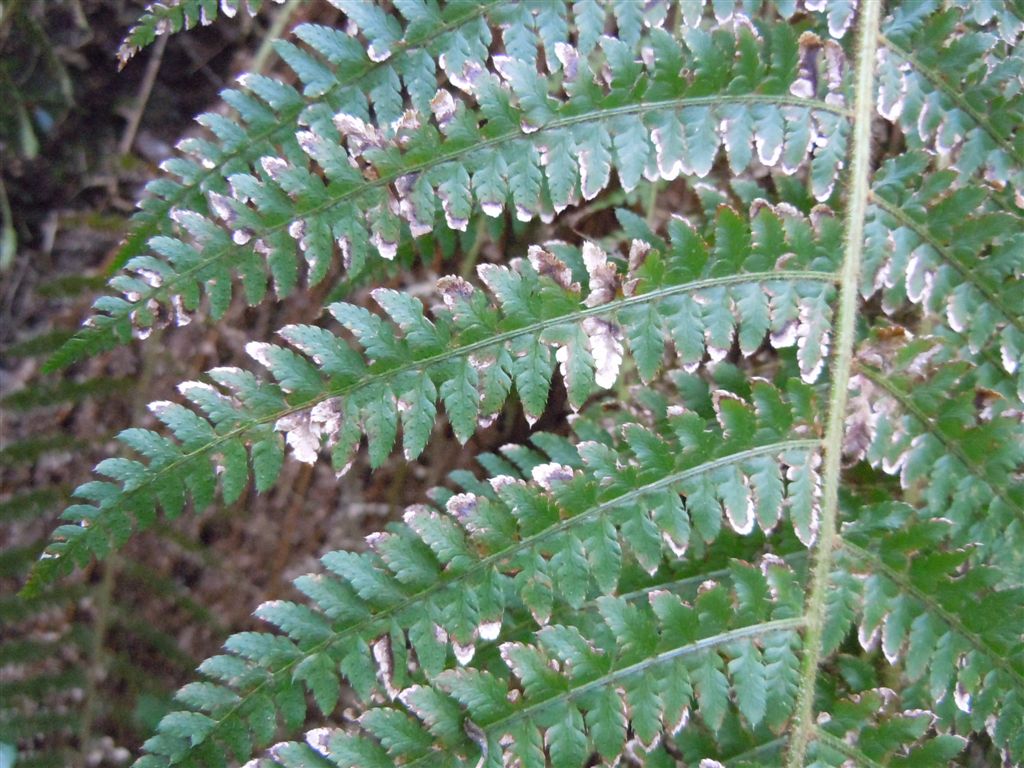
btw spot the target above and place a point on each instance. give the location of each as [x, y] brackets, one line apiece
[957, 635]
[444, 582]
[948, 83]
[950, 251]
[640, 671]
[723, 572]
[65, 391]
[346, 76]
[932, 434]
[30, 504]
[169, 16]
[532, 142]
[870, 729]
[469, 355]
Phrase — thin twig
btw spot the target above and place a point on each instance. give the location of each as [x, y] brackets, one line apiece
[148, 79]
[105, 603]
[9, 236]
[265, 52]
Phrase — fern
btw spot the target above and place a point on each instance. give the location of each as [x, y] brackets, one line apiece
[166, 18]
[469, 347]
[514, 148]
[792, 536]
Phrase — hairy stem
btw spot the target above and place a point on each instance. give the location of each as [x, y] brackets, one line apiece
[860, 184]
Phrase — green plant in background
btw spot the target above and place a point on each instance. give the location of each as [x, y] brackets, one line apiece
[795, 535]
[36, 93]
[170, 16]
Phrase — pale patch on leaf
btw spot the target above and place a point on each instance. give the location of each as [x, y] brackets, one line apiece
[804, 494]
[274, 167]
[220, 205]
[568, 57]
[861, 420]
[717, 396]
[503, 65]
[388, 250]
[181, 316]
[892, 85]
[440, 634]
[547, 475]
[840, 17]
[384, 656]
[491, 208]
[358, 134]
[962, 697]
[1011, 349]
[326, 417]
[457, 223]
[638, 252]
[919, 277]
[304, 430]
[463, 653]
[242, 237]
[958, 312]
[320, 740]
[462, 505]
[259, 351]
[670, 164]
[464, 79]
[501, 481]
[834, 64]
[159, 407]
[188, 387]
[523, 213]
[741, 517]
[407, 209]
[812, 338]
[301, 436]
[443, 107]
[405, 127]
[805, 86]
[377, 55]
[769, 132]
[548, 265]
[605, 340]
[489, 630]
[604, 277]
[454, 290]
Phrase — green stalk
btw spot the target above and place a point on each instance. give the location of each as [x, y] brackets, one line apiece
[262, 60]
[860, 185]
